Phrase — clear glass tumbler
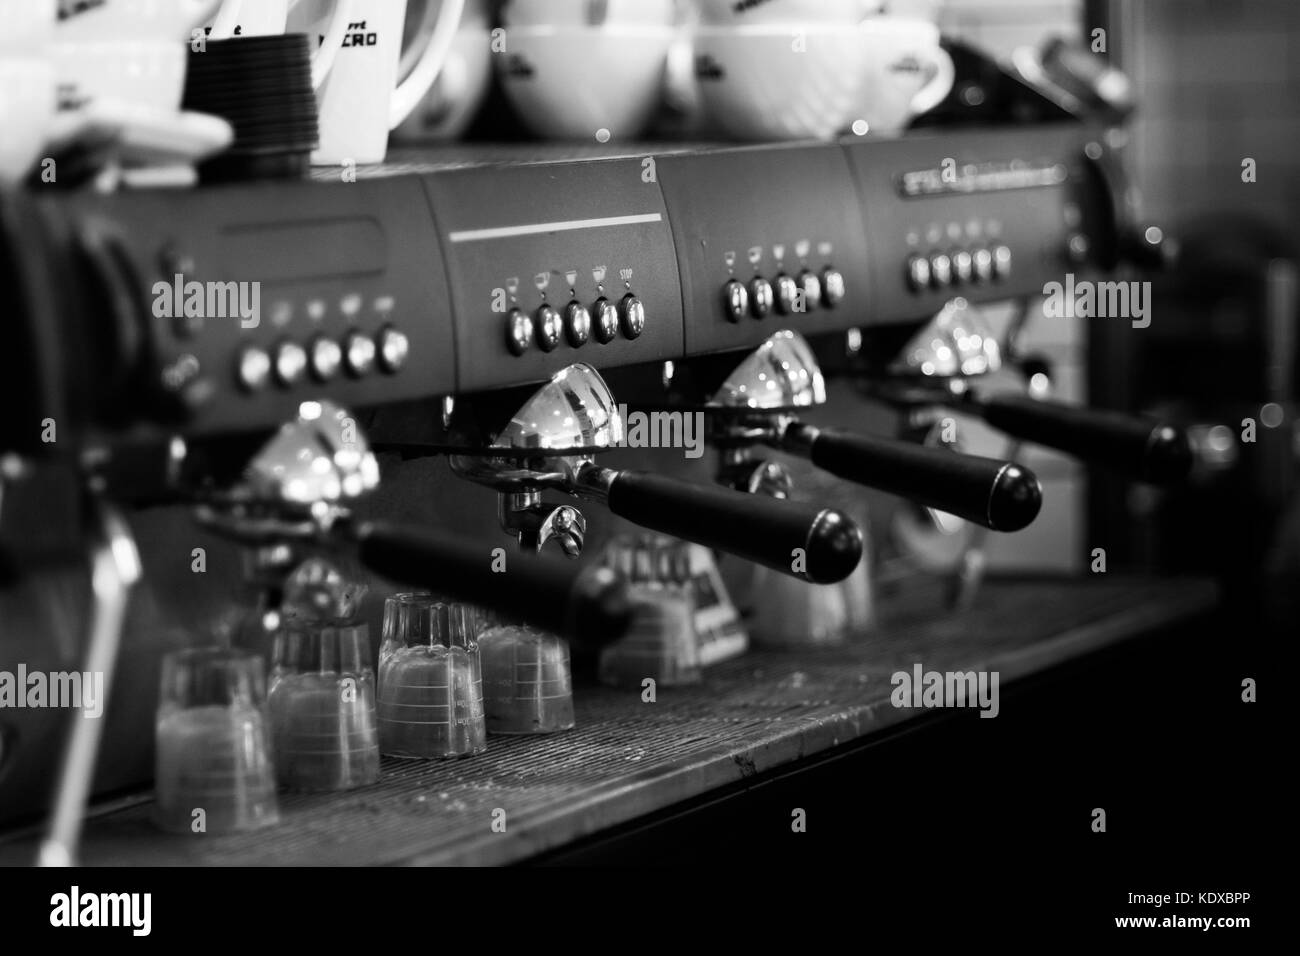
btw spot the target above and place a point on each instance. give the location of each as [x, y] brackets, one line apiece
[430, 679]
[322, 705]
[527, 680]
[213, 771]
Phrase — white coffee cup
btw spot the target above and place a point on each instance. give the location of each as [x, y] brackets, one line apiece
[757, 12]
[258, 18]
[588, 13]
[28, 104]
[908, 72]
[132, 20]
[775, 82]
[586, 83]
[365, 95]
[454, 100]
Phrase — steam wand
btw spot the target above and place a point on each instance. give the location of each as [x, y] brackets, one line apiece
[114, 571]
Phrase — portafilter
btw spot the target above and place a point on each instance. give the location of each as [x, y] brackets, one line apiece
[759, 404]
[958, 346]
[551, 444]
[297, 494]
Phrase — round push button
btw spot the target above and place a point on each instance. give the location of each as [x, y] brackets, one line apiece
[761, 298]
[606, 321]
[359, 354]
[519, 332]
[326, 359]
[290, 364]
[735, 299]
[394, 350]
[918, 273]
[633, 315]
[834, 288]
[254, 369]
[577, 324]
[550, 327]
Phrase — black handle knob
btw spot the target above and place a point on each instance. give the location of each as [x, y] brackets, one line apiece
[820, 545]
[999, 495]
[588, 605]
[1139, 448]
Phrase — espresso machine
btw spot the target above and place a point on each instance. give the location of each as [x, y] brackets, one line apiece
[458, 331]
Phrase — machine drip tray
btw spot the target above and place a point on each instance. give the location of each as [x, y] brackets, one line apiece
[628, 759]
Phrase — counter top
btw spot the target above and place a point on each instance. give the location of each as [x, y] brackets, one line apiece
[628, 758]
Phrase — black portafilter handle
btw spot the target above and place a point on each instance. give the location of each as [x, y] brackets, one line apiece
[818, 545]
[588, 605]
[1000, 495]
[1138, 448]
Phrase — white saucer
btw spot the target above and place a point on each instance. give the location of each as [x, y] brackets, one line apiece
[142, 135]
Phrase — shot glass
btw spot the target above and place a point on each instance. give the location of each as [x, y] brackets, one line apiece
[527, 680]
[430, 680]
[213, 772]
[322, 706]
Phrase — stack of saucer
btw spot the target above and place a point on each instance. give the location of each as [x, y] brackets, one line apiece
[262, 86]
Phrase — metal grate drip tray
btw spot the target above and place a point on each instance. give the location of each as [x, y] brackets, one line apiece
[628, 758]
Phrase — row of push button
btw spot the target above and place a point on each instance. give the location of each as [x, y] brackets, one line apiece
[289, 364]
[787, 295]
[578, 325]
[944, 269]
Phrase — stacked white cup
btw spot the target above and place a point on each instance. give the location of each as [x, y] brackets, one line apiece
[586, 69]
[384, 70]
[812, 69]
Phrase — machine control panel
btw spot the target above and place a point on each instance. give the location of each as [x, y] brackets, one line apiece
[766, 236]
[426, 283]
[554, 264]
[251, 299]
[981, 214]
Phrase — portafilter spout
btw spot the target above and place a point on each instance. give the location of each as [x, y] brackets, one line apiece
[551, 444]
[958, 345]
[759, 404]
[299, 491]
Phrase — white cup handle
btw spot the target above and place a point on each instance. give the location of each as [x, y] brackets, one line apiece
[227, 19]
[939, 86]
[424, 74]
[322, 60]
